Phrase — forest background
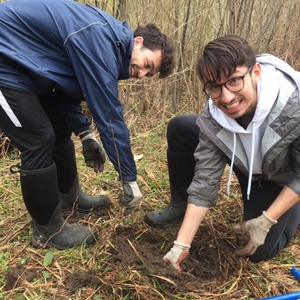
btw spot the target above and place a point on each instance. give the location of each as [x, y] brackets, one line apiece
[126, 263]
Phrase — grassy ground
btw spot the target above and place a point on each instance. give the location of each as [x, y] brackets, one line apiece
[126, 262]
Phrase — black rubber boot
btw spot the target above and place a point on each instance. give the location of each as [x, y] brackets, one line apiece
[40, 194]
[181, 172]
[170, 216]
[71, 195]
[76, 199]
[60, 234]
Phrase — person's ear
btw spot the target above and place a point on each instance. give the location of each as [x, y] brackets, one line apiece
[138, 42]
[256, 72]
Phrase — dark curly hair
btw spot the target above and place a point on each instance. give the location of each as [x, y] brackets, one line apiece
[154, 39]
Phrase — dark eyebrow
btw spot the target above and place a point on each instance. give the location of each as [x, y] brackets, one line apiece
[232, 76]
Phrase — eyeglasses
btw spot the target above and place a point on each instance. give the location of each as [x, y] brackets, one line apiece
[234, 84]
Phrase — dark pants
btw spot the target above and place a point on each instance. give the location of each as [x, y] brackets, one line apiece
[34, 125]
[182, 137]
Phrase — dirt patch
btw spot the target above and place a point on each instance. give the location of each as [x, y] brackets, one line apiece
[242, 236]
[81, 279]
[136, 251]
[16, 276]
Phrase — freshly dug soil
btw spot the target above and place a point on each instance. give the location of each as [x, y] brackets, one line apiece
[242, 237]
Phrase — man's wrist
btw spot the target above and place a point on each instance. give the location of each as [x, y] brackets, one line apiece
[183, 247]
[84, 133]
[270, 220]
[88, 135]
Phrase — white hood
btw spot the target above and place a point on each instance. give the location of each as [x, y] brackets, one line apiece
[267, 90]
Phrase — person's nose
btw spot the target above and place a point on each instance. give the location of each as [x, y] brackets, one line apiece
[226, 95]
[142, 73]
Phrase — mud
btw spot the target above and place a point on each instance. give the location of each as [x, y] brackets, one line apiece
[17, 275]
[81, 279]
[242, 237]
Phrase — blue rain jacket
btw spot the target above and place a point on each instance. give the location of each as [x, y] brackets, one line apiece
[78, 48]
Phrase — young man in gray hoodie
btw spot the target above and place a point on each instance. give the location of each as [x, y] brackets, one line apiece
[251, 121]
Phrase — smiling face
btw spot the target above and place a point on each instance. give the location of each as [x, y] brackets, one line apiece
[144, 62]
[242, 103]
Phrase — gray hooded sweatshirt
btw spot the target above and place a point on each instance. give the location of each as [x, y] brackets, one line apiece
[269, 148]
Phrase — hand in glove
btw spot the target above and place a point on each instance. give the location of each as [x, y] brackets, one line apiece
[131, 197]
[177, 254]
[93, 153]
[257, 229]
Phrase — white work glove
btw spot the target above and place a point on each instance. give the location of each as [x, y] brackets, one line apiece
[93, 153]
[177, 254]
[131, 198]
[257, 229]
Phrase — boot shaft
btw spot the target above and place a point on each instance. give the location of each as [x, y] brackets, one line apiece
[65, 160]
[40, 192]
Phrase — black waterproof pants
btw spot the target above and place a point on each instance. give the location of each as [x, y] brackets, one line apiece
[183, 136]
[33, 124]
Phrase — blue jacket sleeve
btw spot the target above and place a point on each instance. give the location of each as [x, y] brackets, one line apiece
[97, 61]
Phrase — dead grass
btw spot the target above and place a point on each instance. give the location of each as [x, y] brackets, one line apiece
[126, 262]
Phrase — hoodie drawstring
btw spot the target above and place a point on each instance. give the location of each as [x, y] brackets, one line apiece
[250, 165]
[231, 165]
[251, 161]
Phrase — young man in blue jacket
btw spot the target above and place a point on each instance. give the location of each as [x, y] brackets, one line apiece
[251, 121]
[53, 55]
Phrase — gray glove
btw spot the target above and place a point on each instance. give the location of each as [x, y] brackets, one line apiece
[257, 230]
[177, 254]
[131, 198]
[93, 153]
